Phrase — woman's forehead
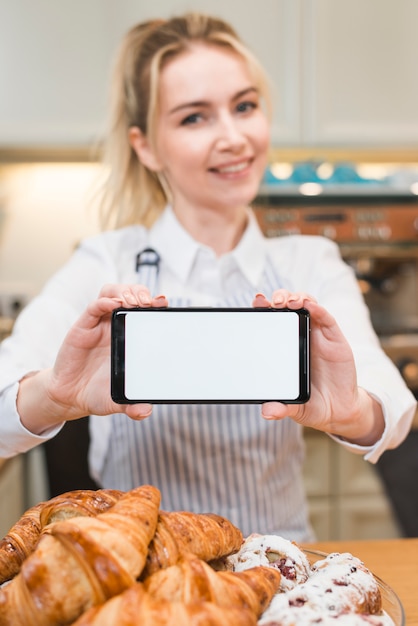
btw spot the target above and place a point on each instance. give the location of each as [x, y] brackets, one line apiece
[202, 70]
[198, 51]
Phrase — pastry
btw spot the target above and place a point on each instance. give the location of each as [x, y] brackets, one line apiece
[135, 607]
[339, 589]
[190, 593]
[339, 583]
[306, 616]
[272, 551]
[22, 538]
[81, 562]
[206, 535]
[193, 580]
[81, 502]
[19, 542]
[111, 558]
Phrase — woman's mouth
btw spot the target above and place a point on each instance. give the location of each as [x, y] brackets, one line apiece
[233, 168]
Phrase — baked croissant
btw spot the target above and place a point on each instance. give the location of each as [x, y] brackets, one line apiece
[81, 562]
[22, 538]
[193, 580]
[190, 594]
[206, 535]
[81, 502]
[135, 607]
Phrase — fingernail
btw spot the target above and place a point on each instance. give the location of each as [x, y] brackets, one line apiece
[278, 300]
[260, 300]
[267, 411]
[146, 410]
[144, 298]
[129, 297]
[267, 417]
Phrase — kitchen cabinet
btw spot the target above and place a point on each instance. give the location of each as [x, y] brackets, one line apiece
[342, 73]
[345, 496]
[358, 73]
[55, 60]
[52, 72]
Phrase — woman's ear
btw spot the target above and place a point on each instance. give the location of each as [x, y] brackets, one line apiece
[144, 151]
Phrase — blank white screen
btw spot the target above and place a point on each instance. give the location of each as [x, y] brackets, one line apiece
[219, 356]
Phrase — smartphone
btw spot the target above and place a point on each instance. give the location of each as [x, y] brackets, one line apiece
[210, 355]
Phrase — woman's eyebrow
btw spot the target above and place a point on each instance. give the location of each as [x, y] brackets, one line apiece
[189, 105]
[205, 103]
[245, 92]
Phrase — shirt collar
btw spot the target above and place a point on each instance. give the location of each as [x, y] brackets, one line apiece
[178, 249]
[175, 246]
[250, 253]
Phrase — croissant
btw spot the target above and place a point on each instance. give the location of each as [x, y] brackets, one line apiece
[22, 538]
[193, 580]
[135, 607]
[80, 502]
[81, 562]
[206, 535]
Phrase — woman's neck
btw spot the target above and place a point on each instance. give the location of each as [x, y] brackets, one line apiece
[219, 231]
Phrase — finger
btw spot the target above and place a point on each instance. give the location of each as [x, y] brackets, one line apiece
[160, 301]
[260, 301]
[293, 300]
[279, 298]
[279, 410]
[138, 411]
[96, 311]
[274, 410]
[299, 300]
[321, 315]
[128, 295]
[111, 297]
[324, 322]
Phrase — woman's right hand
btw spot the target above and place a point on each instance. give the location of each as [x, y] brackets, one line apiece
[79, 382]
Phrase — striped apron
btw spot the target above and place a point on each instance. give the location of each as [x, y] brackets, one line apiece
[218, 458]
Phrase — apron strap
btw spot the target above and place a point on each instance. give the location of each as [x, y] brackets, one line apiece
[147, 266]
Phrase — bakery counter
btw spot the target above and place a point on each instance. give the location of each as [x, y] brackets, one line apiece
[395, 561]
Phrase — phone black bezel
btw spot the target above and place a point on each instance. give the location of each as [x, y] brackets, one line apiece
[118, 354]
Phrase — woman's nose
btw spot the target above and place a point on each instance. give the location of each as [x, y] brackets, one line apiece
[230, 135]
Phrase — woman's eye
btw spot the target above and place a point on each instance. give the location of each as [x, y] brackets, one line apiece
[194, 118]
[245, 107]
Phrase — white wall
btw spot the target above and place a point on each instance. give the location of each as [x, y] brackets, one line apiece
[45, 209]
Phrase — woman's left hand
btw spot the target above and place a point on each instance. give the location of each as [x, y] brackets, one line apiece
[336, 405]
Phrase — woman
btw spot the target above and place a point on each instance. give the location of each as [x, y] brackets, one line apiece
[186, 151]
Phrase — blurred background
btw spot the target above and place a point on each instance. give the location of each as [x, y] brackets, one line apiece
[343, 163]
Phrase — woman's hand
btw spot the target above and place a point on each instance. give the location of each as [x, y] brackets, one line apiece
[79, 382]
[337, 405]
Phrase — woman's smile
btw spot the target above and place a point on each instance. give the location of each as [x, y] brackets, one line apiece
[232, 169]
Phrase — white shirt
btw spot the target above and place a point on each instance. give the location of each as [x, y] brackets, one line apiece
[191, 274]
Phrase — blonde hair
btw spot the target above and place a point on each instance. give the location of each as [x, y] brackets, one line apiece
[131, 193]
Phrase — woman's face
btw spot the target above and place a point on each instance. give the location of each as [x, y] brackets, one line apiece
[212, 135]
